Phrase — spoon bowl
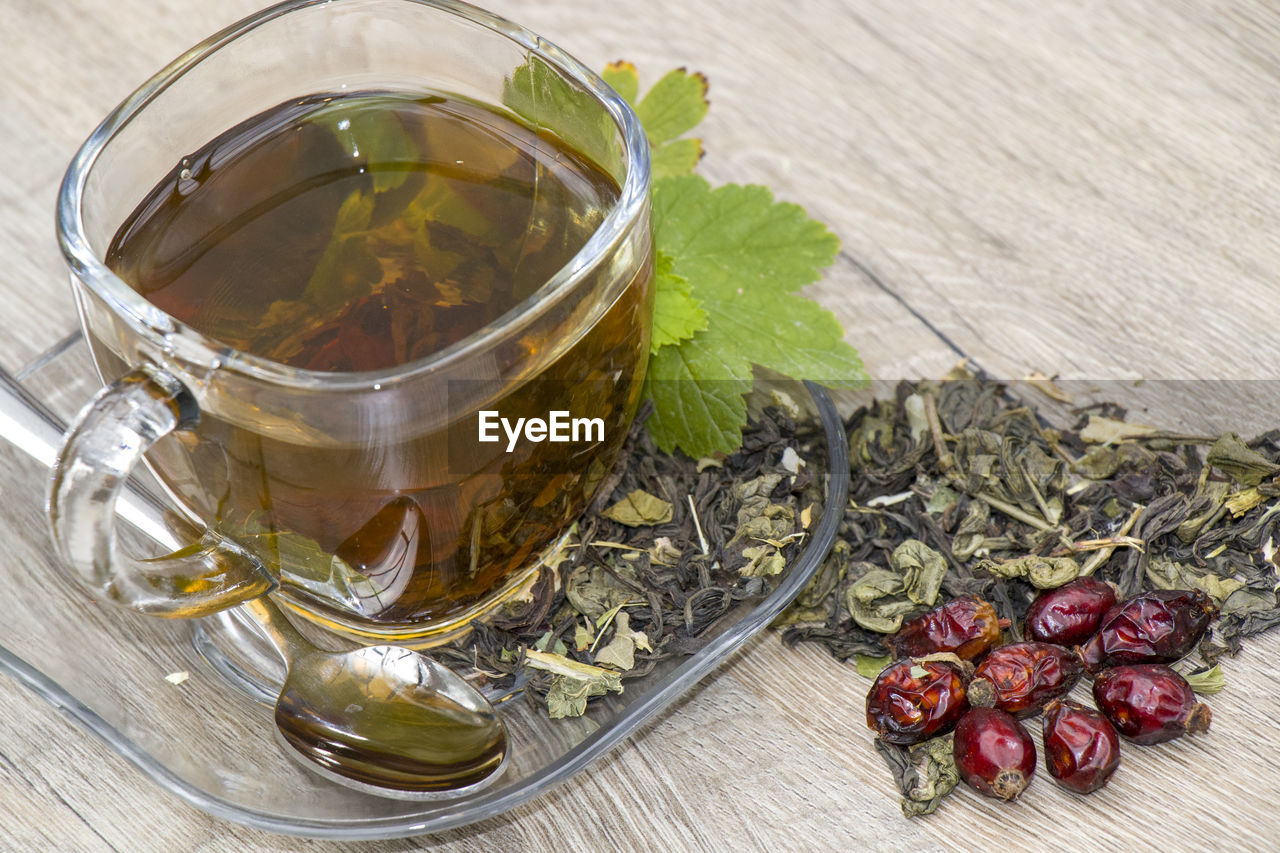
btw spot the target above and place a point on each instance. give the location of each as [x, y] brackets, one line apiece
[382, 719]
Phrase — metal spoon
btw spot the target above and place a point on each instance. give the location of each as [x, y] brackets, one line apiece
[382, 719]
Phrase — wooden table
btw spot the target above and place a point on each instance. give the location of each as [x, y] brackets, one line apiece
[1089, 190]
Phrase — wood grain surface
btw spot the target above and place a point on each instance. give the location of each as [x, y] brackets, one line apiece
[1084, 189]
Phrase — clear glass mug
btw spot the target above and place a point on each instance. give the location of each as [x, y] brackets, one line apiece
[279, 469]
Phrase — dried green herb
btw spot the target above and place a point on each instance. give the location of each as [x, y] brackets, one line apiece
[1015, 505]
[924, 774]
[641, 581]
[640, 509]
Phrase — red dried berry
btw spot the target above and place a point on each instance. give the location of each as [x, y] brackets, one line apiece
[966, 626]
[1150, 703]
[912, 701]
[1081, 748]
[994, 753]
[1070, 614]
[1021, 678]
[1154, 627]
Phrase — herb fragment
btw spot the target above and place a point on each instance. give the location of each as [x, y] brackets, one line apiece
[640, 508]
[925, 774]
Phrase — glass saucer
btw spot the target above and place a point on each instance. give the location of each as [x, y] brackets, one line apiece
[143, 686]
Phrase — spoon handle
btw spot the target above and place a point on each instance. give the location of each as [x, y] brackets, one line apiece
[278, 629]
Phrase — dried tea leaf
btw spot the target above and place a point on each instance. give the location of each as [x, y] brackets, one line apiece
[791, 461]
[1102, 430]
[567, 696]
[1040, 572]
[1238, 461]
[1211, 497]
[621, 650]
[877, 601]
[771, 522]
[1206, 682]
[914, 408]
[663, 552]
[1098, 463]
[942, 499]
[593, 592]
[924, 775]
[1246, 600]
[561, 665]
[1238, 503]
[574, 682]
[583, 636]
[1045, 385]
[972, 530]
[922, 570]
[870, 667]
[640, 509]
[763, 561]
[545, 640]
[759, 487]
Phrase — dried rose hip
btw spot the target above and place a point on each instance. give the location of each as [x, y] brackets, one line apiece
[1070, 614]
[1149, 703]
[1154, 627]
[994, 753]
[912, 701]
[1081, 749]
[966, 626]
[1021, 677]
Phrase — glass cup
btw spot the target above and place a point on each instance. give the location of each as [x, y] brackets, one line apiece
[364, 499]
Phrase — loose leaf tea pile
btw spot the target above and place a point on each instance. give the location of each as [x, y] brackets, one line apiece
[960, 490]
[669, 548]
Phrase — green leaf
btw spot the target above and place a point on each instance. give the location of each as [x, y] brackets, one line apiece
[676, 158]
[744, 256]
[674, 106]
[698, 395]
[869, 667]
[737, 236]
[622, 76]
[729, 263]
[373, 135]
[677, 316]
[536, 92]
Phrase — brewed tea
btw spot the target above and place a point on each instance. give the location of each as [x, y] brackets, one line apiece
[359, 233]
[351, 234]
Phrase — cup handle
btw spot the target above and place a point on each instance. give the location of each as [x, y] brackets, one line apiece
[109, 437]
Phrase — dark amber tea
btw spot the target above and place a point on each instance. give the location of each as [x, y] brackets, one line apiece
[361, 233]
